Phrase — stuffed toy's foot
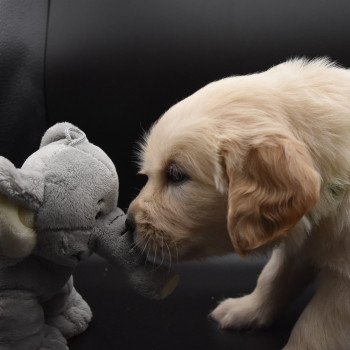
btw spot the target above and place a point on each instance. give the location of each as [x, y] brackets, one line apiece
[53, 339]
[22, 324]
[75, 317]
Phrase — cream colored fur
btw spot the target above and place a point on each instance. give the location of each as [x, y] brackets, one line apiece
[17, 235]
[268, 161]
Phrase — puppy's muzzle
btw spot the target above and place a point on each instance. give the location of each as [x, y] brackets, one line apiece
[130, 225]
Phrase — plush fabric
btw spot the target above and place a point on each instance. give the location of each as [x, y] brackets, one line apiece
[55, 211]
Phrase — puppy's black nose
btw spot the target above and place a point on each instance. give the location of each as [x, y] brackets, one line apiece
[130, 223]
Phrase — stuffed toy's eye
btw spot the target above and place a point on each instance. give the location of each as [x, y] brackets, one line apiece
[100, 204]
[175, 175]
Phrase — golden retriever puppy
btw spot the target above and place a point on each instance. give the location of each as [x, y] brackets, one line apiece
[255, 162]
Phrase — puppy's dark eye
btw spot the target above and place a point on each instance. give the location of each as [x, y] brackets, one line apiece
[142, 179]
[98, 215]
[176, 175]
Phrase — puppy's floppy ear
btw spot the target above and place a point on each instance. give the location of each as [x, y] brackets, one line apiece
[269, 192]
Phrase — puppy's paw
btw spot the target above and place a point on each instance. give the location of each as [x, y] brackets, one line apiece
[241, 313]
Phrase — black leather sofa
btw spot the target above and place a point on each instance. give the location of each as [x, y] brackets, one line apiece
[113, 67]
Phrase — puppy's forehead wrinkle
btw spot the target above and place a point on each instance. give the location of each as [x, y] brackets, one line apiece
[184, 147]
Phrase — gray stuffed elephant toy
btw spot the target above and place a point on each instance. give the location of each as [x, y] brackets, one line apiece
[55, 211]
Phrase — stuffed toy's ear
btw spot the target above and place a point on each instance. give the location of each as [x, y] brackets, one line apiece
[61, 131]
[17, 234]
[269, 192]
[21, 194]
[24, 187]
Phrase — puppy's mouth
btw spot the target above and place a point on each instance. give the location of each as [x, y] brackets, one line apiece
[157, 250]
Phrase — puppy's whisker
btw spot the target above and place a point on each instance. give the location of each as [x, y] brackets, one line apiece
[161, 263]
[169, 255]
[177, 252]
[155, 254]
[149, 247]
[133, 247]
[145, 246]
[145, 258]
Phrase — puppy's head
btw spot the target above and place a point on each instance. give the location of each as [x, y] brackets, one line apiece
[211, 187]
[179, 213]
